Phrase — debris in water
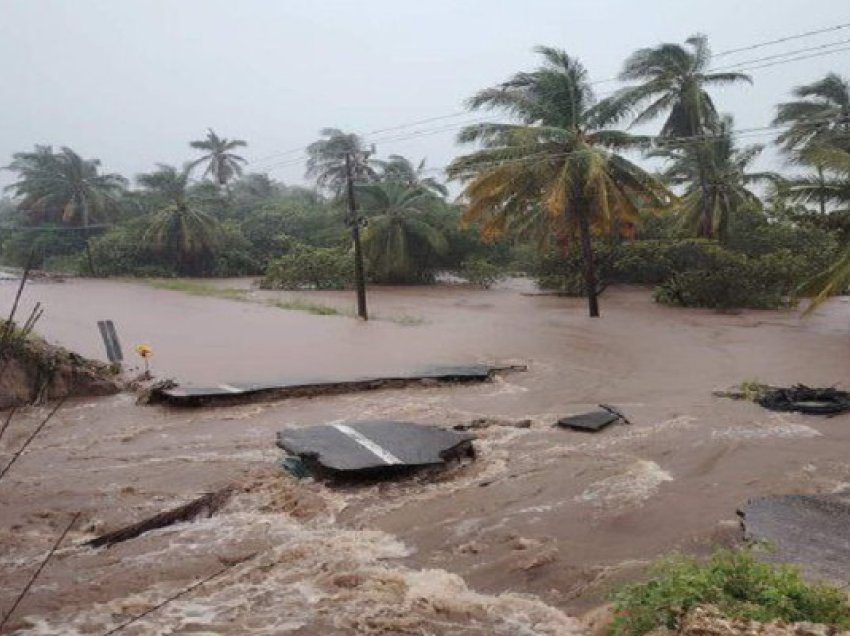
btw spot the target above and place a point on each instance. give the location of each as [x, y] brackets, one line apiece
[594, 421]
[373, 448]
[237, 392]
[207, 505]
[812, 531]
[807, 400]
[800, 398]
[487, 422]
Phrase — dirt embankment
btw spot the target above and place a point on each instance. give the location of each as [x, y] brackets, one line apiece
[32, 370]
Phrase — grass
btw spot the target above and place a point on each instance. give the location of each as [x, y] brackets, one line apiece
[736, 583]
[200, 288]
[305, 305]
[196, 288]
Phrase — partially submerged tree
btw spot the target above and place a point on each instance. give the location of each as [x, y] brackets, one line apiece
[398, 241]
[63, 187]
[222, 164]
[675, 79]
[179, 228]
[559, 160]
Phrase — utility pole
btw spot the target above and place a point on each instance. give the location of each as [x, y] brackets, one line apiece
[354, 222]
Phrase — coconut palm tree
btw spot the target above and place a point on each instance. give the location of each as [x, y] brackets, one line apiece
[399, 243]
[727, 175]
[222, 164]
[675, 79]
[62, 186]
[558, 160]
[326, 160]
[178, 228]
[399, 168]
[817, 118]
[831, 186]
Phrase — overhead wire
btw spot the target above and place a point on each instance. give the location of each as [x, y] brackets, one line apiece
[773, 60]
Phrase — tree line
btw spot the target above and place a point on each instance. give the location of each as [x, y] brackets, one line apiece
[563, 177]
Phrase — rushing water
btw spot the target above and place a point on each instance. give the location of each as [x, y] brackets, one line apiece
[539, 527]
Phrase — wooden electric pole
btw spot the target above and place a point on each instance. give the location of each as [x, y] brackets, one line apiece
[354, 223]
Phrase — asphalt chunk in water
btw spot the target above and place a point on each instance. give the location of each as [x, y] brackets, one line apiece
[593, 421]
[235, 392]
[812, 531]
[373, 448]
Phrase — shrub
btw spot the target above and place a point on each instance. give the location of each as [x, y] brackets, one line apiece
[726, 280]
[45, 243]
[480, 272]
[311, 268]
[565, 272]
[691, 272]
[122, 251]
[125, 251]
[735, 582]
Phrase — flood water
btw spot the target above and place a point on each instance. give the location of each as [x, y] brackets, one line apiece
[539, 529]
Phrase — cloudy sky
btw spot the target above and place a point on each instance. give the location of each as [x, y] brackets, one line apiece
[132, 81]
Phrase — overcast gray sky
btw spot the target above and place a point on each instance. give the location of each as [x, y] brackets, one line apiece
[132, 81]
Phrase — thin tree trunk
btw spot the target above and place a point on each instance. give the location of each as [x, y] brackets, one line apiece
[587, 256]
[705, 229]
[821, 197]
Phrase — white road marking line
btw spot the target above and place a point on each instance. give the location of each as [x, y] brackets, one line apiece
[230, 388]
[381, 453]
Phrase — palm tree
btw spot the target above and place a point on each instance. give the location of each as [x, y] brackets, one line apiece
[401, 169]
[399, 242]
[727, 176]
[675, 80]
[179, 227]
[326, 160]
[559, 160]
[819, 115]
[222, 164]
[832, 187]
[63, 186]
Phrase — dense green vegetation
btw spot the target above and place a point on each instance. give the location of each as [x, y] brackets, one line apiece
[733, 581]
[557, 188]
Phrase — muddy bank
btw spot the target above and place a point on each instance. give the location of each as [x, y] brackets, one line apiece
[540, 527]
[32, 370]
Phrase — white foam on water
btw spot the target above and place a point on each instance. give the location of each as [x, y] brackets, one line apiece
[779, 430]
[313, 574]
[636, 484]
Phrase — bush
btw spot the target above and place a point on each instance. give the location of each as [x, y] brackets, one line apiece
[124, 251]
[480, 272]
[736, 583]
[726, 280]
[692, 272]
[45, 243]
[310, 268]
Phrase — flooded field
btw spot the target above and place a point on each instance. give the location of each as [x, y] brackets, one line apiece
[535, 532]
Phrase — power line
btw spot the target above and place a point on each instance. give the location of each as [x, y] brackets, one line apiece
[782, 55]
[838, 27]
[758, 131]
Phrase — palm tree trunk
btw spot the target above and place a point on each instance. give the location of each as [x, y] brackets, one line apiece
[705, 229]
[587, 256]
[821, 197]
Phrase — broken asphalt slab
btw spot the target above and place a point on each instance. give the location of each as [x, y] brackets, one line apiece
[811, 531]
[239, 393]
[594, 421]
[373, 448]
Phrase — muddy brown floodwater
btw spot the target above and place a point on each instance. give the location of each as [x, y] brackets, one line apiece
[539, 529]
